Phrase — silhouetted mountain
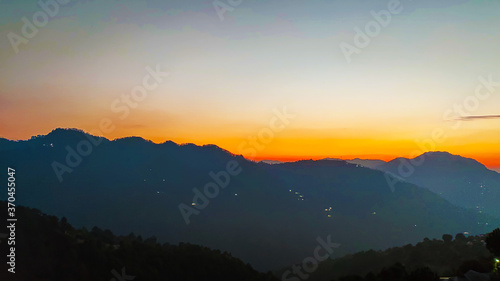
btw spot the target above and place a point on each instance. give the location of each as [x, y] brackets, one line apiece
[271, 162]
[368, 163]
[462, 181]
[51, 249]
[268, 215]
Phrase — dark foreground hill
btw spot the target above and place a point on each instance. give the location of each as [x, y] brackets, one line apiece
[51, 249]
[444, 258]
[268, 215]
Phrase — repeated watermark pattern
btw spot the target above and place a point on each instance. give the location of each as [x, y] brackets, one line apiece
[221, 179]
[265, 136]
[121, 277]
[210, 190]
[310, 264]
[458, 113]
[221, 7]
[372, 29]
[121, 106]
[48, 10]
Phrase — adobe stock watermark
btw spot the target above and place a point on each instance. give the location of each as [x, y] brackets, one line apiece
[311, 263]
[223, 6]
[457, 114]
[30, 28]
[121, 277]
[363, 38]
[121, 106]
[221, 179]
[265, 136]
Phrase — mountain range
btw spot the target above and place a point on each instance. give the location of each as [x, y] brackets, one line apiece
[462, 181]
[268, 215]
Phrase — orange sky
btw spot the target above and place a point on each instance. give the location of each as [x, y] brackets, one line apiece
[287, 146]
[226, 79]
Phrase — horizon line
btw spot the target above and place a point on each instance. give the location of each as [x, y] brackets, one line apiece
[280, 158]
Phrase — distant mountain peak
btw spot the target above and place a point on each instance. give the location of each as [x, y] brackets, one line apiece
[67, 130]
[133, 139]
[443, 156]
[68, 135]
[462, 181]
[63, 133]
[439, 154]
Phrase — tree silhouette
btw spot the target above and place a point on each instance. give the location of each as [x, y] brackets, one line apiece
[460, 237]
[447, 238]
[423, 274]
[493, 242]
[397, 272]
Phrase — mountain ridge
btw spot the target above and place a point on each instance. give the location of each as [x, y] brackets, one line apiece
[136, 186]
[79, 132]
[463, 181]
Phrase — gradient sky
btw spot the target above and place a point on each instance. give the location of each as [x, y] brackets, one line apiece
[227, 77]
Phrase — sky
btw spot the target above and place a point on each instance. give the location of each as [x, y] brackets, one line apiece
[283, 80]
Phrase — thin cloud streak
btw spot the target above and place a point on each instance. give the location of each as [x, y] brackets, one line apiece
[477, 117]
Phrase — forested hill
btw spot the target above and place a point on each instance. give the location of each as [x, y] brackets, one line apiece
[447, 257]
[51, 249]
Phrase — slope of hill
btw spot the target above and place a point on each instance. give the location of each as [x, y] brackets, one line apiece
[133, 185]
[462, 181]
[51, 249]
[443, 258]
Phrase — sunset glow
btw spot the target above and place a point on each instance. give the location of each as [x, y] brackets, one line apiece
[431, 66]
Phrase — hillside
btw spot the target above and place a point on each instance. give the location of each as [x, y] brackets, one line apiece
[462, 181]
[51, 249]
[443, 258]
[133, 185]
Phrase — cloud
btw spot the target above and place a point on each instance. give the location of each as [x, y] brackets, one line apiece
[478, 117]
